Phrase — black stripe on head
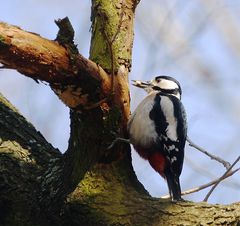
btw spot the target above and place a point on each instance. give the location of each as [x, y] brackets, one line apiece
[171, 79]
[167, 91]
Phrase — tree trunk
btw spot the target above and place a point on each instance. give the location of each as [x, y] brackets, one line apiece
[88, 184]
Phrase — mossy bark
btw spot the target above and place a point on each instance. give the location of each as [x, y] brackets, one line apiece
[108, 195]
[112, 23]
[25, 156]
[92, 130]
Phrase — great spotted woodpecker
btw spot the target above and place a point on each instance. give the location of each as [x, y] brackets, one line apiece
[158, 129]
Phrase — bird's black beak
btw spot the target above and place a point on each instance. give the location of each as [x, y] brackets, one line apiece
[141, 84]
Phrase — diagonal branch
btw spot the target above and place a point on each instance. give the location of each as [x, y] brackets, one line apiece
[221, 179]
[199, 188]
[46, 60]
[218, 159]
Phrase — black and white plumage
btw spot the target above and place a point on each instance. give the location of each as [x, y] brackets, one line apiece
[158, 129]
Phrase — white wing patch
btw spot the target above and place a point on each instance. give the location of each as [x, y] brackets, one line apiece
[173, 159]
[168, 111]
[172, 147]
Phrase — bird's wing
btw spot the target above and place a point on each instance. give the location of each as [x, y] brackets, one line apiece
[169, 118]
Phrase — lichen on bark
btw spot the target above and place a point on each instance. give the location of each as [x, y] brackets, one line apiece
[112, 23]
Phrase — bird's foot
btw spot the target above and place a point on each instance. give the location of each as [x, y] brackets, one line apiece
[118, 139]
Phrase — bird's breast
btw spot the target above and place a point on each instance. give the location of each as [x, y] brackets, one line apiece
[141, 127]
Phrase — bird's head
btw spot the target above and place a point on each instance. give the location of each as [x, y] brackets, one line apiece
[164, 84]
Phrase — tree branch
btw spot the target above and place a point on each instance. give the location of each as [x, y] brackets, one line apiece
[218, 159]
[221, 179]
[129, 207]
[79, 83]
[93, 129]
[45, 60]
[193, 190]
[31, 169]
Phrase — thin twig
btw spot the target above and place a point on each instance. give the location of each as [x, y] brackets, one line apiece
[225, 163]
[118, 139]
[193, 190]
[221, 179]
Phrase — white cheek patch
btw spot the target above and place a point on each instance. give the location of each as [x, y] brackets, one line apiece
[168, 84]
[168, 111]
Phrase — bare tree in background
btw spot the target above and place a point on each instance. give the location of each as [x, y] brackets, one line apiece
[88, 184]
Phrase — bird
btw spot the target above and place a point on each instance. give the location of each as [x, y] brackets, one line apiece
[157, 129]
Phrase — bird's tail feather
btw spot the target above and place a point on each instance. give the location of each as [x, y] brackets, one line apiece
[174, 187]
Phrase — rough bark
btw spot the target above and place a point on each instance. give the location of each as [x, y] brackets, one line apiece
[46, 60]
[89, 184]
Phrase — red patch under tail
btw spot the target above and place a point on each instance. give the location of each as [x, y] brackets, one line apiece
[158, 162]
